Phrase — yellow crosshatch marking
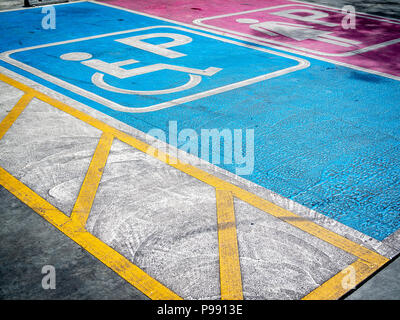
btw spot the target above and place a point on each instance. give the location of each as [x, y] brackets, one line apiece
[72, 229]
[230, 274]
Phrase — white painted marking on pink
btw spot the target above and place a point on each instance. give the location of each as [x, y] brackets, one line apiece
[373, 45]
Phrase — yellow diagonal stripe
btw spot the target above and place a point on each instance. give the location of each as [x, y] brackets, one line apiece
[369, 260]
[310, 227]
[229, 264]
[338, 285]
[72, 229]
[86, 196]
[15, 113]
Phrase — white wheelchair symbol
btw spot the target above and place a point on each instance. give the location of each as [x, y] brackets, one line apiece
[114, 69]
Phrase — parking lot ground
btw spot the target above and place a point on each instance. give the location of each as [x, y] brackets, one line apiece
[81, 144]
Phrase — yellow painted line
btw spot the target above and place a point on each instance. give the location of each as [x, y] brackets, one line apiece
[84, 202]
[368, 256]
[14, 113]
[73, 229]
[229, 264]
[310, 227]
[336, 287]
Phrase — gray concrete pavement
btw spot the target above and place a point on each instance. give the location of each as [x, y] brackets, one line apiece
[163, 220]
[384, 8]
[180, 241]
[28, 243]
[385, 285]
[11, 4]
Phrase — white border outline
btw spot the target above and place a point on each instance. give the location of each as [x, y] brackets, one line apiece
[192, 26]
[334, 62]
[347, 65]
[344, 54]
[5, 56]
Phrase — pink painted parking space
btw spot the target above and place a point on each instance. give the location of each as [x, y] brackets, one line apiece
[312, 30]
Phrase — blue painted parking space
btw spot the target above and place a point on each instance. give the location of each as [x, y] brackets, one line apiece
[325, 136]
[153, 68]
